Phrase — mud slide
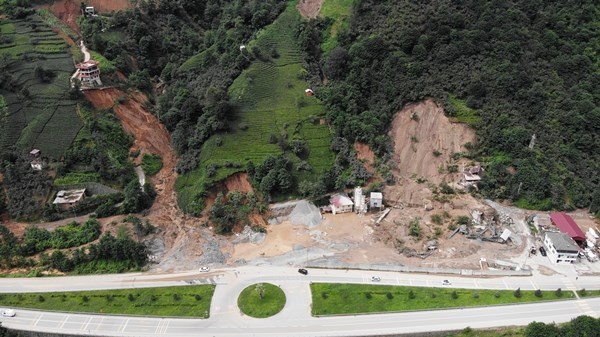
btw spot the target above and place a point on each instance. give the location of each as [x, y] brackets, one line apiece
[309, 8]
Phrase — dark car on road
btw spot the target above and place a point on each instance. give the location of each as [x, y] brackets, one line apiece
[543, 251]
[303, 271]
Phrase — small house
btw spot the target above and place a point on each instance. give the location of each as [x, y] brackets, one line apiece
[561, 248]
[472, 175]
[36, 160]
[340, 204]
[309, 92]
[69, 198]
[376, 200]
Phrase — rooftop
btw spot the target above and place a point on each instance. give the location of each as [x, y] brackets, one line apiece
[70, 196]
[376, 195]
[562, 241]
[339, 200]
[87, 65]
[566, 224]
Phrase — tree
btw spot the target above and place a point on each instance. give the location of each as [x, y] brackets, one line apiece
[260, 290]
[517, 293]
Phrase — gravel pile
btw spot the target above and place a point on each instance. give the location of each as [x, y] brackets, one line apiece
[305, 213]
[249, 235]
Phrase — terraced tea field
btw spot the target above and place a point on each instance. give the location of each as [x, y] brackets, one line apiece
[40, 113]
[270, 101]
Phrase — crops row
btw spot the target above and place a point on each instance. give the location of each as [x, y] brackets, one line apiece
[271, 105]
[44, 118]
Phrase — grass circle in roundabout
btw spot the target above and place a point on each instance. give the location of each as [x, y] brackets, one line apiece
[261, 300]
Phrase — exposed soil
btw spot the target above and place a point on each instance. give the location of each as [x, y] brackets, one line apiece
[69, 10]
[366, 155]
[309, 8]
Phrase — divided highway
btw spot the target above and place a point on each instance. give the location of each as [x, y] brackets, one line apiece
[295, 319]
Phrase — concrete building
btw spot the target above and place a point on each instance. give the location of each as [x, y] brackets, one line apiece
[561, 248]
[340, 204]
[375, 200]
[360, 206]
[89, 73]
[68, 199]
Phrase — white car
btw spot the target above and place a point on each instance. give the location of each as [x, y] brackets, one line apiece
[446, 283]
[204, 269]
[375, 278]
[8, 313]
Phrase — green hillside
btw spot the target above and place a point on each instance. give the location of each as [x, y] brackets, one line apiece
[511, 69]
[272, 112]
[36, 69]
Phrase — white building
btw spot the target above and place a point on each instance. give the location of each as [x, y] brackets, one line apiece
[561, 248]
[359, 201]
[376, 200]
[340, 204]
[69, 198]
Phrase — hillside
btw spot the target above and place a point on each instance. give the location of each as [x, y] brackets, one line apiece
[510, 69]
[36, 68]
[272, 115]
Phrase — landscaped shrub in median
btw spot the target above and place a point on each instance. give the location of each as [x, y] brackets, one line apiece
[192, 301]
[262, 300]
[352, 299]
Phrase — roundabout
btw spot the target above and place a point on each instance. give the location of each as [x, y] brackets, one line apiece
[261, 300]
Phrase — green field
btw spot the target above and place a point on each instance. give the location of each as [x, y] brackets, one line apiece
[40, 113]
[464, 114]
[339, 11]
[270, 100]
[184, 301]
[345, 299]
[271, 302]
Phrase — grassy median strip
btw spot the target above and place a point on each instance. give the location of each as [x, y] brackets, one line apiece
[335, 299]
[184, 301]
[261, 300]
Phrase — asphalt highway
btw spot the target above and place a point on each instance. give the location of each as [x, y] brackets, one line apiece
[295, 319]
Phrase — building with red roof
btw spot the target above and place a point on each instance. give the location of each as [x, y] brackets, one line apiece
[567, 225]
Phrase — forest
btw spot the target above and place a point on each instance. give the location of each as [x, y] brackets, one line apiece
[531, 69]
[524, 67]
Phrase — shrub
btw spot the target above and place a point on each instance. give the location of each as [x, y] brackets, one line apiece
[324, 295]
[558, 292]
[198, 297]
[41, 298]
[538, 293]
[411, 295]
[454, 294]
[389, 295]
[85, 298]
[151, 164]
[368, 295]
[437, 153]
[437, 219]
[414, 228]
[130, 297]
[153, 298]
[582, 292]
[219, 141]
[176, 297]
[475, 295]
[518, 293]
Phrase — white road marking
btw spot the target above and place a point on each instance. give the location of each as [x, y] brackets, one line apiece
[124, 326]
[85, 326]
[535, 287]
[62, 324]
[505, 284]
[37, 320]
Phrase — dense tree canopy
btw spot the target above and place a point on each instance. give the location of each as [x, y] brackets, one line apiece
[526, 67]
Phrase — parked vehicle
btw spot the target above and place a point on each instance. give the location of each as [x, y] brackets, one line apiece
[303, 271]
[375, 278]
[446, 283]
[204, 269]
[543, 251]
